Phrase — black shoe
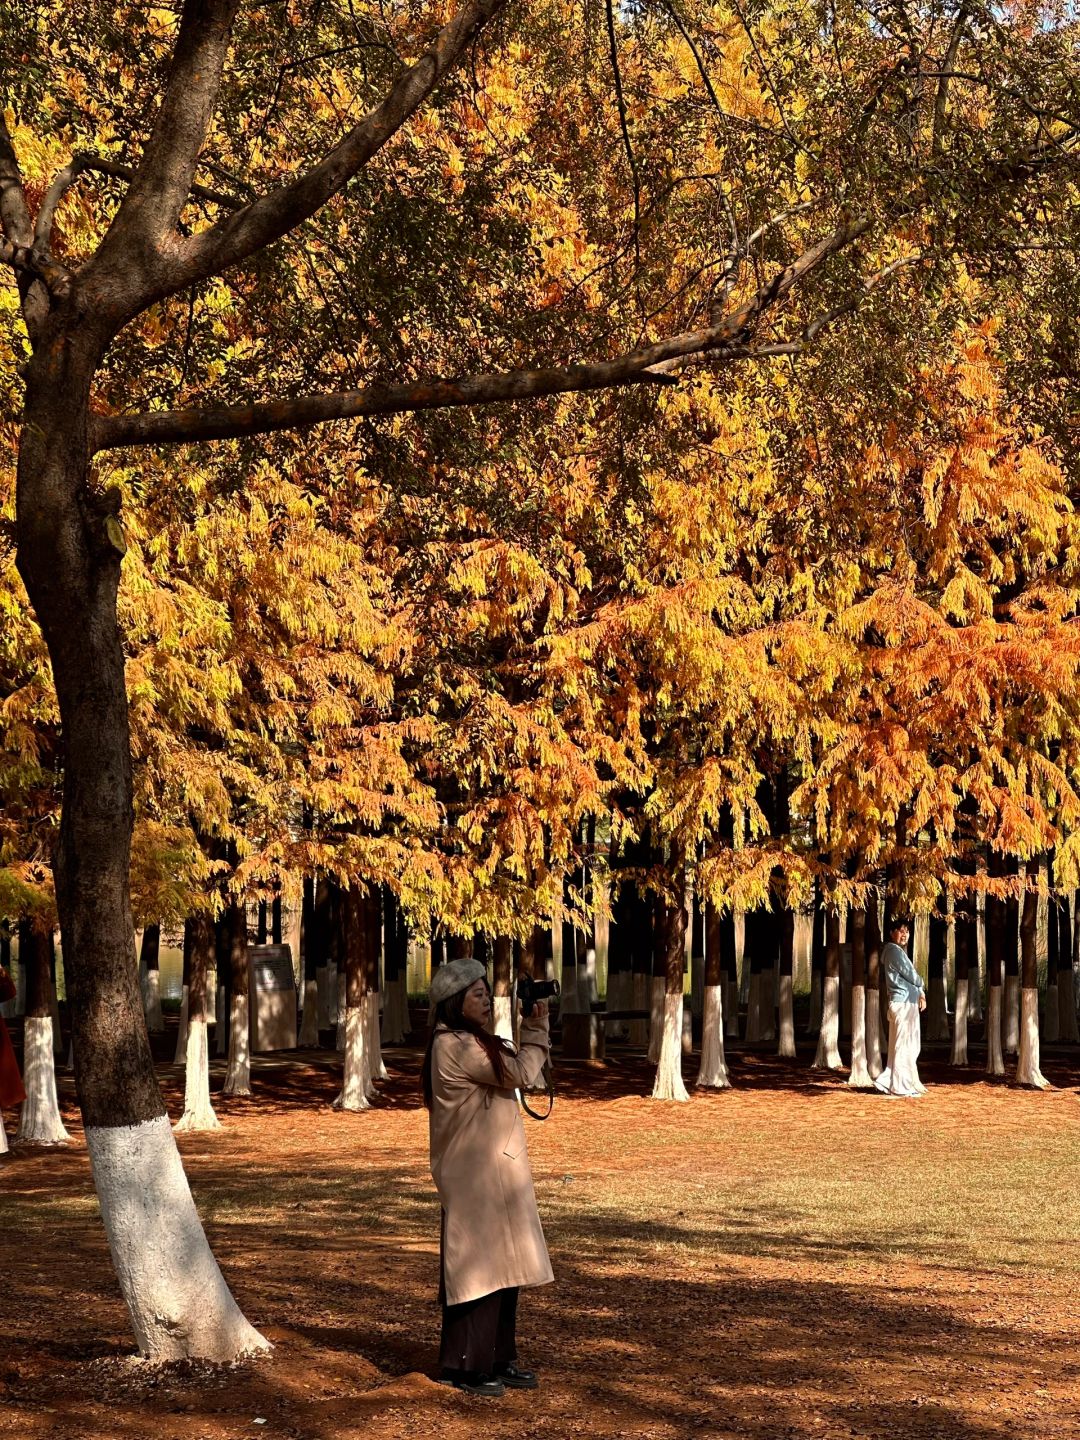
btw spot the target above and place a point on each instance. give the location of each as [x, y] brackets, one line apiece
[516, 1379]
[472, 1384]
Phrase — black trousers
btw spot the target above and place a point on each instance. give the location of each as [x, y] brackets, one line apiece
[480, 1334]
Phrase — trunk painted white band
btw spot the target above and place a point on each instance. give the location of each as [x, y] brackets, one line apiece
[181, 1033]
[322, 981]
[656, 1017]
[179, 1303]
[959, 1055]
[238, 1076]
[786, 1048]
[995, 1063]
[828, 1049]
[221, 1022]
[1010, 1019]
[1051, 1026]
[356, 1083]
[713, 1070]
[502, 1023]
[39, 1120]
[874, 1062]
[151, 997]
[309, 1022]
[376, 1068]
[669, 1082]
[198, 1111]
[1027, 1066]
[860, 1077]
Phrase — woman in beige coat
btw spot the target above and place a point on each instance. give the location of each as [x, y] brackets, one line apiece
[492, 1243]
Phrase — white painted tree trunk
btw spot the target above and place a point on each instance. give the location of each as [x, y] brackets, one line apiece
[860, 1077]
[828, 1050]
[1051, 1027]
[975, 1005]
[656, 1018]
[1067, 1029]
[502, 1021]
[376, 1068]
[322, 981]
[198, 1111]
[1010, 1018]
[669, 1082]
[587, 981]
[995, 1063]
[342, 1010]
[39, 1120]
[308, 1037]
[3, 1138]
[1027, 1065]
[639, 1029]
[151, 998]
[937, 1010]
[731, 1009]
[959, 1053]
[238, 1076]
[221, 1022]
[356, 1086]
[874, 1062]
[181, 1030]
[787, 1017]
[179, 1303]
[712, 1069]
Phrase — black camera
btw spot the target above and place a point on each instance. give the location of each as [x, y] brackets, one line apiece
[529, 991]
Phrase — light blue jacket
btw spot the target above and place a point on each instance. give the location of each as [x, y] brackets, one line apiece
[903, 980]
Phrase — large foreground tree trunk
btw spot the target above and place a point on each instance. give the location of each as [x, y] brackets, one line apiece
[69, 551]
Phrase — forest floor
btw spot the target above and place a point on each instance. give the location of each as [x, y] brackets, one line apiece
[785, 1259]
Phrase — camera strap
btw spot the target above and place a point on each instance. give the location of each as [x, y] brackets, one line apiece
[549, 1090]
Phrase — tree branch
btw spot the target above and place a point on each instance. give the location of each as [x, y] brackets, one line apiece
[18, 229]
[162, 182]
[269, 218]
[120, 171]
[728, 340]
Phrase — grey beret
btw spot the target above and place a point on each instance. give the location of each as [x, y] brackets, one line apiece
[454, 976]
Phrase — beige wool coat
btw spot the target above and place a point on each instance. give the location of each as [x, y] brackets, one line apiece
[492, 1238]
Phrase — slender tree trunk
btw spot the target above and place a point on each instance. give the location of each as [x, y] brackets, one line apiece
[308, 1037]
[754, 942]
[395, 1021]
[661, 919]
[1051, 1029]
[501, 986]
[817, 963]
[729, 955]
[995, 953]
[69, 551]
[860, 1077]
[965, 941]
[713, 1070]
[357, 1087]
[39, 1120]
[180, 1057]
[1028, 1062]
[1010, 955]
[198, 1111]
[261, 927]
[828, 1051]
[275, 921]
[937, 1010]
[372, 951]
[222, 945]
[1067, 1029]
[874, 1063]
[669, 1079]
[238, 1073]
[150, 973]
[786, 920]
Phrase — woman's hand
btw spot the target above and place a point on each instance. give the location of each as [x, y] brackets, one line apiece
[539, 1011]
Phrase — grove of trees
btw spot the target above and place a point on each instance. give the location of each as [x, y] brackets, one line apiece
[525, 459]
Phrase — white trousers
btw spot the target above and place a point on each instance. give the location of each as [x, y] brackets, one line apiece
[901, 1074]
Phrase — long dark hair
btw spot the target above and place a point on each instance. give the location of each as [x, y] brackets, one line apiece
[449, 1012]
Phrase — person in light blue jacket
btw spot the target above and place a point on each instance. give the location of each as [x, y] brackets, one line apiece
[907, 998]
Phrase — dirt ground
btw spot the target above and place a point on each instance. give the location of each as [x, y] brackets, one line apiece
[787, 1259]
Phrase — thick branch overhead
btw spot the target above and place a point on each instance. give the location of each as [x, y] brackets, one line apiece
[726, 341]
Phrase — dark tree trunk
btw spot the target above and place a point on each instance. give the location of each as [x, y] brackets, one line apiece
[150, 954]
[260, 924]
[275, 921]
[309, 946]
